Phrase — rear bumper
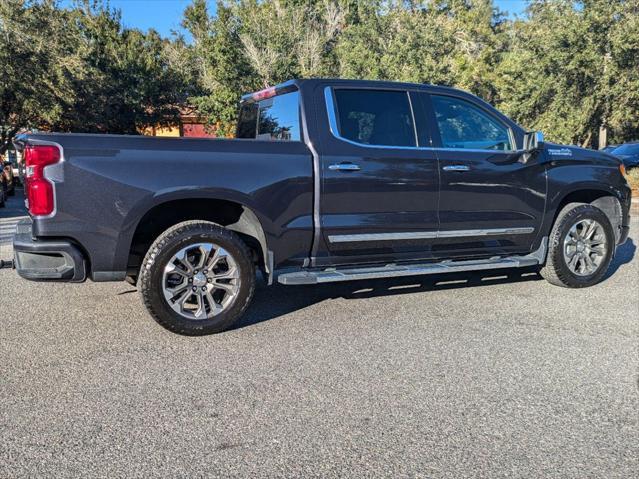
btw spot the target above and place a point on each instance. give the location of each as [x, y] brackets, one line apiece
[46, 260]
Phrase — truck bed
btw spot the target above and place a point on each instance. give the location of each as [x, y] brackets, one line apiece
[106, 183]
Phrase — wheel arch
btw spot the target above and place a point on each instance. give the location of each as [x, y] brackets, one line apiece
[604, 197]
[230, 214]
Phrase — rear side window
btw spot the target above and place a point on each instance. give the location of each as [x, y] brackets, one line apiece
[375, 117]
[276, 118]
[463, 125]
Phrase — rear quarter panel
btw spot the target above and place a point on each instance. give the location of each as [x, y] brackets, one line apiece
[109, 182]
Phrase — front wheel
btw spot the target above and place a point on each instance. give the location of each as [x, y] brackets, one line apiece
[580, 247]
[197, 278]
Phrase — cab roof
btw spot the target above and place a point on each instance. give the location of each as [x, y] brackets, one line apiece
[311, 82]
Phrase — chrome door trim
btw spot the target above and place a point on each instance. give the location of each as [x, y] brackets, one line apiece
[485, 232]
[381, 237]
[412, 116]
[332, 123]
[413, 235]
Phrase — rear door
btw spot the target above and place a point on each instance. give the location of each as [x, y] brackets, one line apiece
[379, 190]
[491, 202]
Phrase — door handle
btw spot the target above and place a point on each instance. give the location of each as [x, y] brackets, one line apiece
[456, 168]
[344, 167]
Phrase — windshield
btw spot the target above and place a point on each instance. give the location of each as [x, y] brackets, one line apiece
[627, 149]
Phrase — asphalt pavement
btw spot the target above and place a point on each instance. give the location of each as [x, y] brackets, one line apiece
[475, 375]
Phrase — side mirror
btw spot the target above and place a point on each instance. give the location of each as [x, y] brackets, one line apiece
[533, 140]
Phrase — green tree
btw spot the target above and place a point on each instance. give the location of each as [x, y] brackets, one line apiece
[250, 45]
[79, 70]
[454, 42]
[220, 68]
[571, 70]
[122, 78]
[285, 39]
[33, 86]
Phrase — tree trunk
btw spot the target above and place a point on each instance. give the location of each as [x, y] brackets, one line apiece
[603, 137]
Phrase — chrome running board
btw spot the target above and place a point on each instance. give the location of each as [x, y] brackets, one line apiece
[332, 275]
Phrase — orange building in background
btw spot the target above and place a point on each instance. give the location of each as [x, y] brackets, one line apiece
[190, 125]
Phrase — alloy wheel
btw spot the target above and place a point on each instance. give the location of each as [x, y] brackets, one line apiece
[201, 281]
[585, 247]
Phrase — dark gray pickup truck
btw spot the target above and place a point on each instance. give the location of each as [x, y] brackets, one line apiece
[329, 180]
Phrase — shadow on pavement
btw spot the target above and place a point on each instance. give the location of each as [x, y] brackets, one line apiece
[624, 254]
[277, 300]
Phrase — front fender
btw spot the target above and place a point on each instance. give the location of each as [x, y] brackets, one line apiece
[584, 182]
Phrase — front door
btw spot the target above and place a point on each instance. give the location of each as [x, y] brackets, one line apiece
[491, 201]
[379, 190]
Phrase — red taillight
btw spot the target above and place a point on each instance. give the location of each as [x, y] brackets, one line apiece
[39, 190]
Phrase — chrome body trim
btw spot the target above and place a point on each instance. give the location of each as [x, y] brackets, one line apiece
[382, 237]
[332, 123]
[417, 235]
[486, 232]
[412, 116]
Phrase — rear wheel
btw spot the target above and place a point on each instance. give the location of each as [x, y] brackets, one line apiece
[580, 247]
[3, 194]
[197, 278]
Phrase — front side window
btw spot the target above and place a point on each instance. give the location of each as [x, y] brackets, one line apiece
[463, 125]
[276, 118]
[375, 117]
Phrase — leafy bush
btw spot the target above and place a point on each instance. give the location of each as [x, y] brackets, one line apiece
[633, 179]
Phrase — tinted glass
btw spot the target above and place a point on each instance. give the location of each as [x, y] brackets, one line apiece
[627, 149]
[247, 121]
[463, 125]
[375, 117]
[276, 118]
[279, 118]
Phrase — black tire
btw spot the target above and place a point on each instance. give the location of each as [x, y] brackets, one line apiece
[3, 195]
[162, 250]
[556, 270]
